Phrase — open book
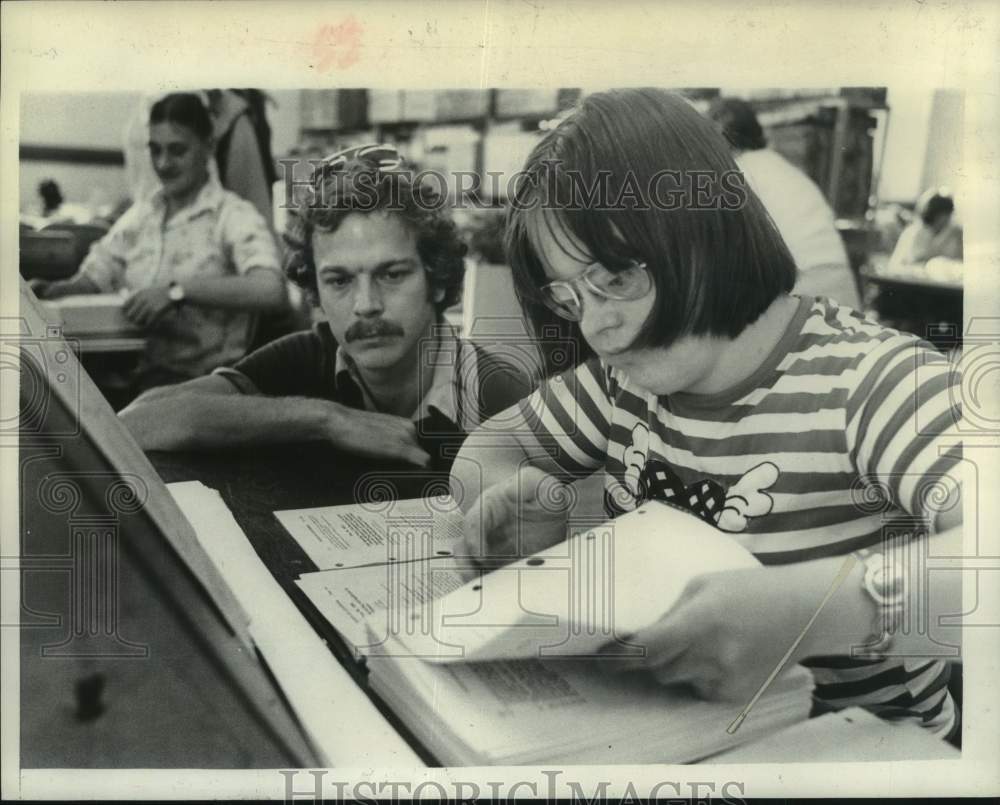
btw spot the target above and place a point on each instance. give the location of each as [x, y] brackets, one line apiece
[502, 667]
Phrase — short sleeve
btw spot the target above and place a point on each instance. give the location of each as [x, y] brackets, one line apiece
[247, 238]
[571, 412]
[904, 243]
[903, 418]
[105, 263]
[292, 366]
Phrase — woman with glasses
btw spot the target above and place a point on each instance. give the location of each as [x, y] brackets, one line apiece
[794, 424]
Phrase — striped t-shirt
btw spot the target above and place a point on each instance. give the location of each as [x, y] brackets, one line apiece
[845, 426]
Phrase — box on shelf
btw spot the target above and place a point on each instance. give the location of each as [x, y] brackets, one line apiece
[385, 105]
[462, 104]
[333, 108]
[419, 105]
[514, 102]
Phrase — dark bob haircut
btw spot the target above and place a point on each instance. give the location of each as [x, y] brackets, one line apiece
[933, 204]
[183, 109]
[738, 122]
[716, 258]
[360, 187]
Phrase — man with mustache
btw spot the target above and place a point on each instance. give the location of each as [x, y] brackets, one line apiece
[381, 257]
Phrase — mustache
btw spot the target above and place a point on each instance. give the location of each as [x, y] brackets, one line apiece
[369, 329]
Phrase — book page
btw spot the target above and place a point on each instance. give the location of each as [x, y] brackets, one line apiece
[366, 604]
[530, 710]
[348, 536]
[601, 585]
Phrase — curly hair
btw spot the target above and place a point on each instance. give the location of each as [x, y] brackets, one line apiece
[361, 187]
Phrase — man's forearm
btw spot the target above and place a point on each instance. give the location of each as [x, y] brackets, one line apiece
[77, 284]
[195, 420]
[258, 290]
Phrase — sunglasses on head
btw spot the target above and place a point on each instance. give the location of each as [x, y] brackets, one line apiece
[376, 155]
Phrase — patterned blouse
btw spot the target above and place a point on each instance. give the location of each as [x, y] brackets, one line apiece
[217, 235]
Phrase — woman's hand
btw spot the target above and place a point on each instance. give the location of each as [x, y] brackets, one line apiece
[517, 517]
[730, 630]
[148, 306]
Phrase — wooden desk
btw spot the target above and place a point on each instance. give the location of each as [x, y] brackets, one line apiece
[927, 302]
[925, 277]
[852, 735]
[255, 483]
[104, 343]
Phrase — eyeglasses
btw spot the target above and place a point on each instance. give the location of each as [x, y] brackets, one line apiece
[629, 283]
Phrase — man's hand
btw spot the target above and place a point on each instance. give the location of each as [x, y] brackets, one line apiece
[517, 517]
[148, 306]
[728, 631]
[376, 435]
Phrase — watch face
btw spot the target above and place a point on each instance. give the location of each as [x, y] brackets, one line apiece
[176, 293]
[884, 581]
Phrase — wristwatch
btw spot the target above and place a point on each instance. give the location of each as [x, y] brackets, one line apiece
[175, 292]
[885, 583]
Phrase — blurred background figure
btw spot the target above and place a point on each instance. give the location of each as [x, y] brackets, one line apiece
[933, 233]
[53, 208]
[196, 262]
[929, 253]
[51, 197]
[794, 203]
[243, 145]
[245, 166]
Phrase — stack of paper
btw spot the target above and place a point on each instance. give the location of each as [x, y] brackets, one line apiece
[503, 667]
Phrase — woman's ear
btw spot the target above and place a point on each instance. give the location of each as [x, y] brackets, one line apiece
[438, 295]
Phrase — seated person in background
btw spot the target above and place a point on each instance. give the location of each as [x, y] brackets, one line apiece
[933, 234]
[383, 260]
[55, 209]
[793, 201]
[792, 423]
[196, 260]
[51, 196]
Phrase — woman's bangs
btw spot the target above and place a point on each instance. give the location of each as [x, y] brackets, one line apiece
[604, 242]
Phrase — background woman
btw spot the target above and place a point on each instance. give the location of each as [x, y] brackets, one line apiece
[196, 261]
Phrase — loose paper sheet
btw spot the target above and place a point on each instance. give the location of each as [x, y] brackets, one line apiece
[356, 535]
